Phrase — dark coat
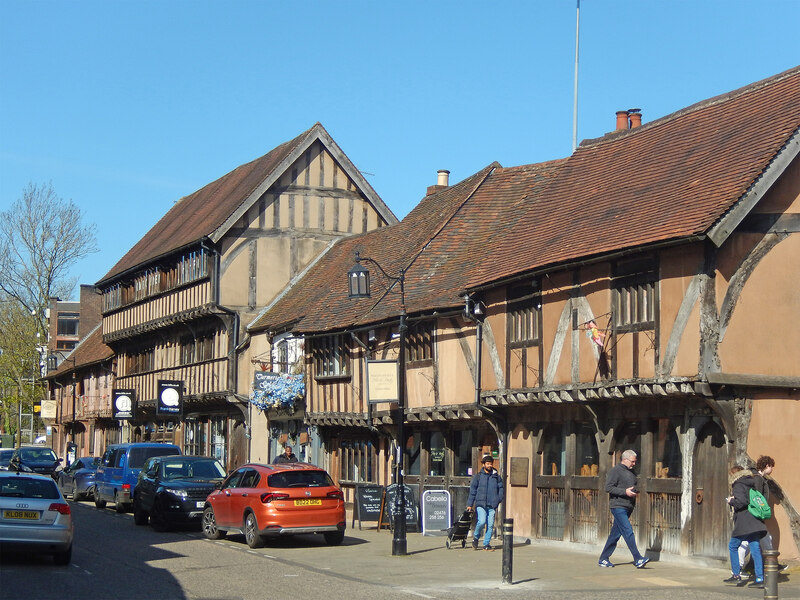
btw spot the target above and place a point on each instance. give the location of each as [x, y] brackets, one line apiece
[745, 525]
[282, 458]
[619, 479]
[486, 489]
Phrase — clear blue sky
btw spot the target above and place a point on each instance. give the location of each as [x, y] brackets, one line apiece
[128, 106]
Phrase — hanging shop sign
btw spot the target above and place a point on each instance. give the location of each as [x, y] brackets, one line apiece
[122, 404]
[170, 398]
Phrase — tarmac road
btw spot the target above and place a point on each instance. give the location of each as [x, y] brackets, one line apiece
[113, 558]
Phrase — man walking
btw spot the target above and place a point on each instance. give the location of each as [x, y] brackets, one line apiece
[622, 492]
[485, 495]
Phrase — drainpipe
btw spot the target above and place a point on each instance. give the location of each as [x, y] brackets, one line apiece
[233, 371]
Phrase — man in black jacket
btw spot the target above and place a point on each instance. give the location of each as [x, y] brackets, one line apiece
[287, 456]
[485, 495]
[622, 493]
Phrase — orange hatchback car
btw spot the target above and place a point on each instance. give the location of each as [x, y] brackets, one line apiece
[274, 500]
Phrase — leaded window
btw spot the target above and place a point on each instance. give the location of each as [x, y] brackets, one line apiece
[330, 356]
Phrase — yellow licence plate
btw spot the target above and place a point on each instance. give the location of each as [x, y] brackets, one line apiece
[308, 502]
[21, 514]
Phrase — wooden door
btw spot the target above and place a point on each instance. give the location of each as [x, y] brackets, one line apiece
[711, 520]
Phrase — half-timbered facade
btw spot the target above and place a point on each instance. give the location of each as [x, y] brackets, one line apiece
[638, 294]
[174, 305]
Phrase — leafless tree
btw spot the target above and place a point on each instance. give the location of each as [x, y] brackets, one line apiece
[42, 236]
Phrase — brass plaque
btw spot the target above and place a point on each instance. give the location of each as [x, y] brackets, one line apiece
[519, 468]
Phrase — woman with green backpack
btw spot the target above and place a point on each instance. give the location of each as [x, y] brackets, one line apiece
[746, 525]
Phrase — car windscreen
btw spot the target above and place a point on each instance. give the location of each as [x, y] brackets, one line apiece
[37, 455]
[26, 487]
[137, 456]
[290, 479]
[192, 469]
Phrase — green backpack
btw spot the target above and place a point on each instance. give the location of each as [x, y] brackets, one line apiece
[758, 506]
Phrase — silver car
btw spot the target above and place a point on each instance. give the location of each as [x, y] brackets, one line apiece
[34, 516]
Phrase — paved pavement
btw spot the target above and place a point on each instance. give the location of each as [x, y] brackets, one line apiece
[542, 568]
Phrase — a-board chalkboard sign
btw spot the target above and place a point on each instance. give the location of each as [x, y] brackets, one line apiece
[435, 512]
[368, 503]
[412, 513]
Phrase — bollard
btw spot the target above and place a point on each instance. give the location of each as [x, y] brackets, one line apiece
[770, 574]
[508, 549]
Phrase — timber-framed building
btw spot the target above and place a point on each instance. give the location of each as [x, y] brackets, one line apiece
[174, 306]
[638, 294]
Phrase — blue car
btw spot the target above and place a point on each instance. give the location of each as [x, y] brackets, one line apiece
[77, 480]
[119, 469]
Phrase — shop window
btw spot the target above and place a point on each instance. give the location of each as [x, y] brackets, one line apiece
[586, 455]
[667, 451]
[411, 451]
[194, 437]
[629, 438]
[463, 442]
[436, 456]
[357, 458]
[219, 439]
[553, 451]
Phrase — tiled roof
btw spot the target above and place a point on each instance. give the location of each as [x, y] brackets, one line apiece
[202, 213]
[669, 179]
[438, 243]
[90, 350]
[672, 178]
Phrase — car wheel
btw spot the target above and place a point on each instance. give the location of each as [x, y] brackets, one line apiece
[157, 517]
[98, 502]
[251, 535]
[63, 558]
[334, 538]
[210, 529]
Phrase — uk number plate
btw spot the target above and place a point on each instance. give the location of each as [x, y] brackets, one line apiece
[308, 502]
[200, 503]
[30, 515]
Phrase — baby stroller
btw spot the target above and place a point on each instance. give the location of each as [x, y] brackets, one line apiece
[459, 531]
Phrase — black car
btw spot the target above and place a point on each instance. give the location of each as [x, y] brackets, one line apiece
[172, 490]
[38, 459]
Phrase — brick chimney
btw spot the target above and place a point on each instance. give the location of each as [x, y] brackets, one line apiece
[629, 119]
[442, 182]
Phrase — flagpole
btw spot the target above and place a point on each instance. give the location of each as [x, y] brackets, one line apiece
[575, 104]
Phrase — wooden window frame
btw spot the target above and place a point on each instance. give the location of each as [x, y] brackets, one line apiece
[524, 315]
[635, 287]
[331, 355]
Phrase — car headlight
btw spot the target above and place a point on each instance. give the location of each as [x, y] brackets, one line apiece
[177, 492]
